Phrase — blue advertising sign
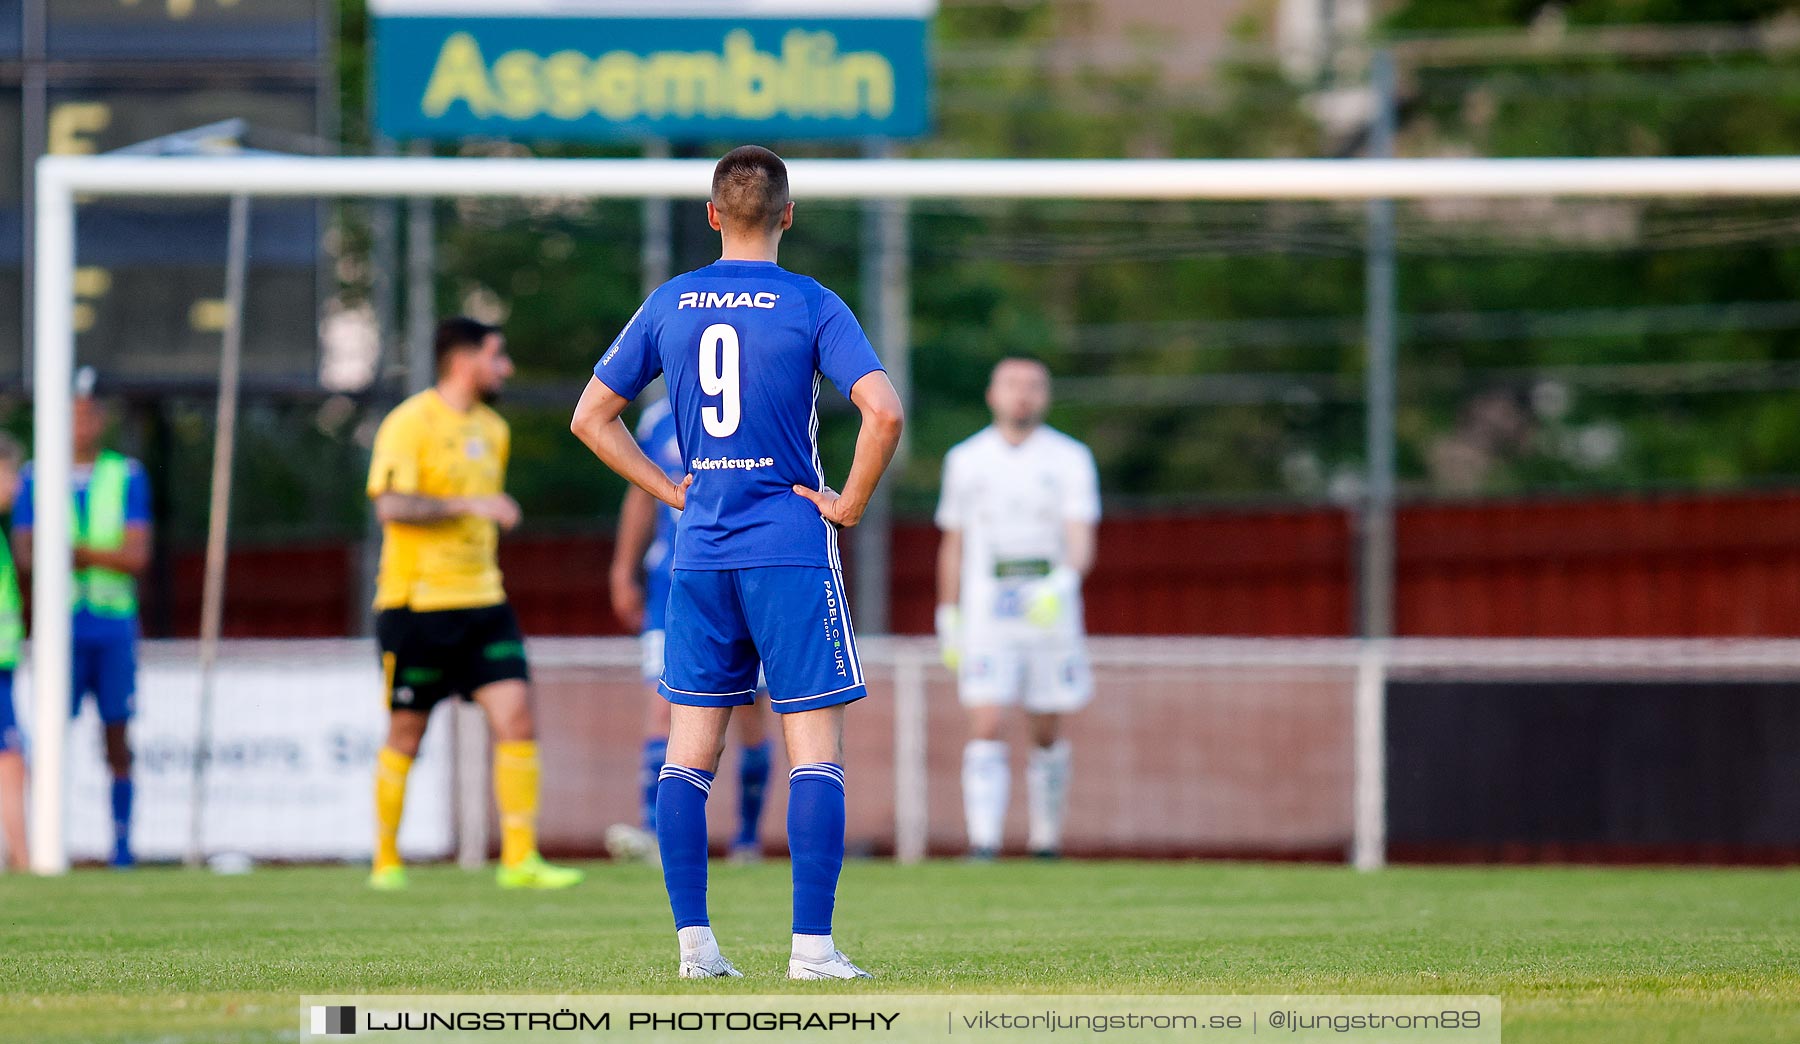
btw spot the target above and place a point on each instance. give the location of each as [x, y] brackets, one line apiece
[696, 71]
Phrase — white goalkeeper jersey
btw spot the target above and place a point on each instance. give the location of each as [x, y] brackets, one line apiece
[1012, 504]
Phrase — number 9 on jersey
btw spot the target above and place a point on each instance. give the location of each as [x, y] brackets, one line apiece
[719, 375]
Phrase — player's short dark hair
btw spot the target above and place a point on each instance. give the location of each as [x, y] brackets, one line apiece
[457, 334]
[750, 187]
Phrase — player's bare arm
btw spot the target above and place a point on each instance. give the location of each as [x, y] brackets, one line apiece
[414, 509]
[882, 421]
[597, 425]
[133, 557]
[637, 528]
[949, 567]
[1078, 542]
[947, 620]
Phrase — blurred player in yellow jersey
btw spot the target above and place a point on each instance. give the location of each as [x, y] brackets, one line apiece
[438, 482]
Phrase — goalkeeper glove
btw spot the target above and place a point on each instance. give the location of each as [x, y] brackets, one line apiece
[1052, 596]
[949, 635]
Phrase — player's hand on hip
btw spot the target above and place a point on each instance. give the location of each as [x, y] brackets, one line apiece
[833, 507]
[678, 499]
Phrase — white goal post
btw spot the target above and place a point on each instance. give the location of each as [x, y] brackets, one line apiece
[61, 180]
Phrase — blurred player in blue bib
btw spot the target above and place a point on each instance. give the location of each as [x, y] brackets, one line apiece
[757, 581]
[12, 629]
[112, 546]
[641, 577]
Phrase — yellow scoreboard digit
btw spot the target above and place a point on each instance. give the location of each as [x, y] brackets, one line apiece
[177, 9]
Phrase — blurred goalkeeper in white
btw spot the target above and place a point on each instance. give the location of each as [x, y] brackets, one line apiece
[1018, 510]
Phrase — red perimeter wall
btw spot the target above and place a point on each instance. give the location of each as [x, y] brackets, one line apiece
[1690, 566]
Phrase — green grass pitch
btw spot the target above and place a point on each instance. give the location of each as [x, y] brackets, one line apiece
[1578, 955]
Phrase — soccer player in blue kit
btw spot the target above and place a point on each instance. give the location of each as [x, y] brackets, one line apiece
[640, 577]
[742, 344]
[112, 546]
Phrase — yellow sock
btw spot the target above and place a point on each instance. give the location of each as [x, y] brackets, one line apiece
[391, 768]
[516, 792]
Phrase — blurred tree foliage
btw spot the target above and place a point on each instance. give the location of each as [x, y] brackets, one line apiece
[1506, 14]
[1214, 352]
[1704, 400]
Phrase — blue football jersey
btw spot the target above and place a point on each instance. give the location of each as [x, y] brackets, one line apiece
[656, 436]
[742, 345]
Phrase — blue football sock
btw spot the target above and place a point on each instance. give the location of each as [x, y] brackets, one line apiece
[753, 781]
[681, 836]
[121, 815]
[816, 843]
[650, 765]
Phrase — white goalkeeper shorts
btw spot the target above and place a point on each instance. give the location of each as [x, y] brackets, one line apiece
[1045, 674]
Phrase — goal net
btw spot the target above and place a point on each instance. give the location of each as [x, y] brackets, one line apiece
[1195, 746]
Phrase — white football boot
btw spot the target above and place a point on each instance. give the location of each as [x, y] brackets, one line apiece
[713, 967]
[837, 966]
[700, 956]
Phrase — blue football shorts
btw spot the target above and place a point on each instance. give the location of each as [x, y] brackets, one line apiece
[793, 621]
[11, 741]
[106, 667]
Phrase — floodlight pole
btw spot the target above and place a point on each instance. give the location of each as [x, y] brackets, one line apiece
[1377, 580]
[887, 310]
[218, 527]
[1377, 572]
[656, 253]
[384, 254]
[421, 291]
